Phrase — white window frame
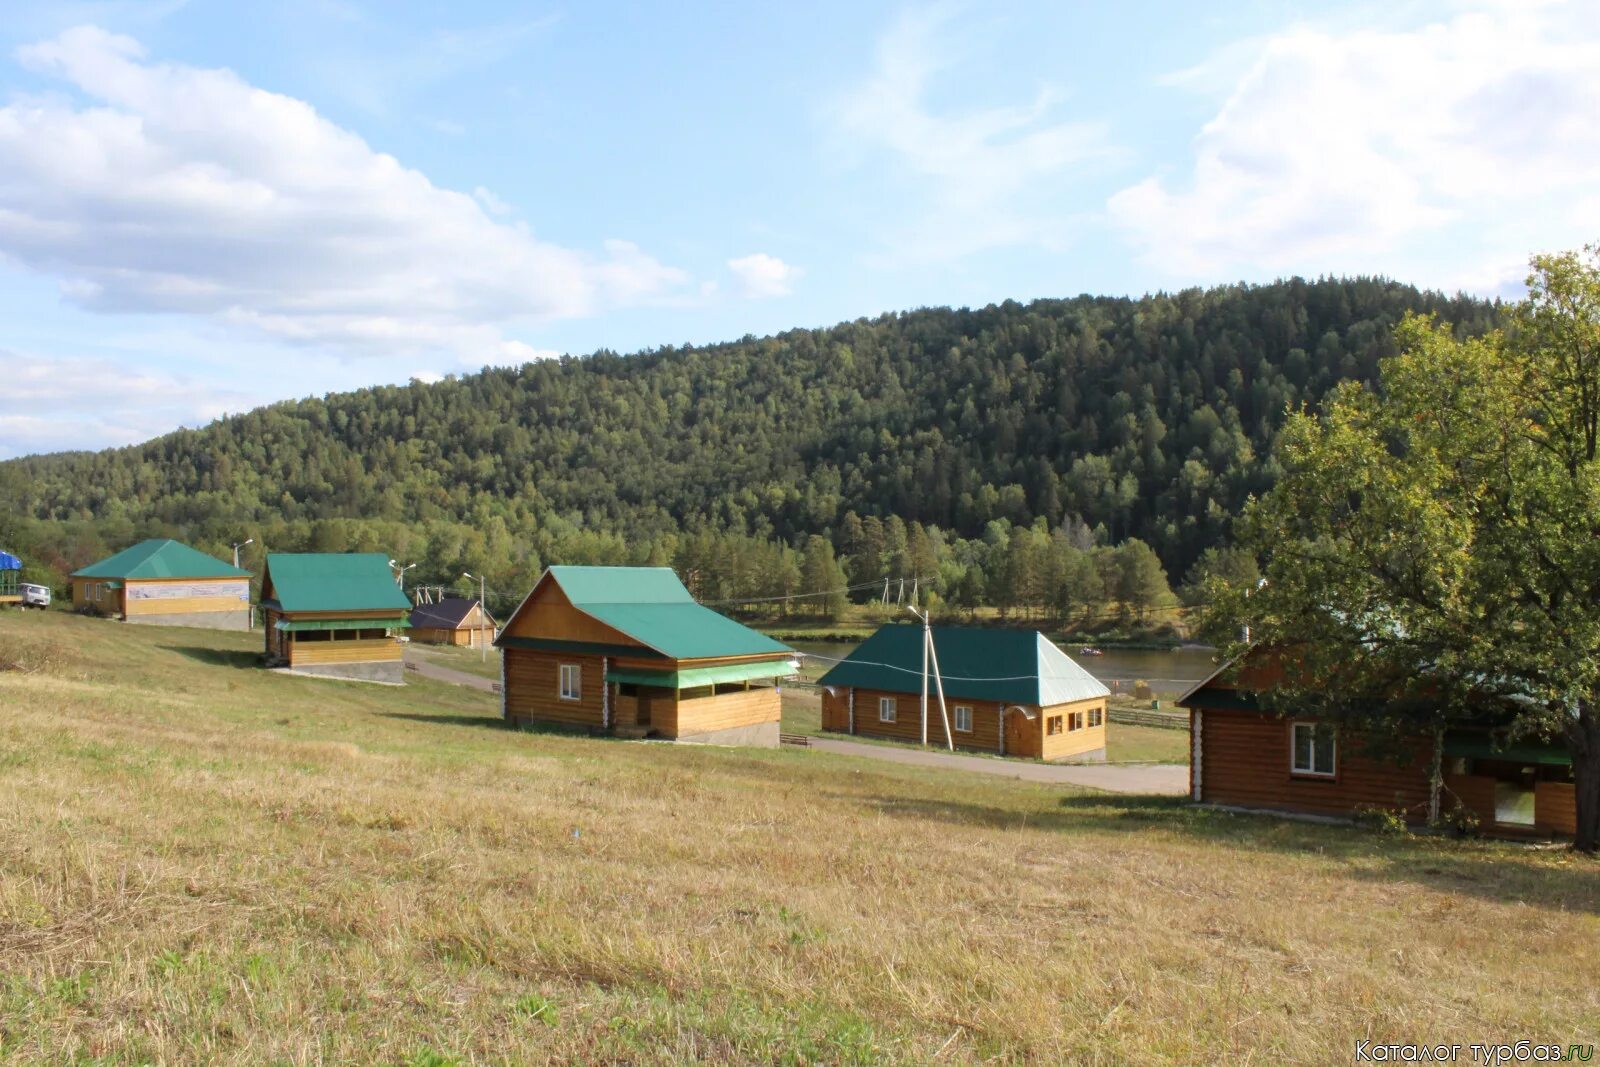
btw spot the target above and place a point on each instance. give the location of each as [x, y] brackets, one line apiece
[887, 709]
[1075, 721]
[1051, 720]
[573, 671]
[1294, 751]
[1097, 717]
[963, 712]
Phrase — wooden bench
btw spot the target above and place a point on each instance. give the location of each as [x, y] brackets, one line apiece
[800, 740]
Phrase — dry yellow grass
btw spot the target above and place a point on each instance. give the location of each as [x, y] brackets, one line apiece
[204, 863]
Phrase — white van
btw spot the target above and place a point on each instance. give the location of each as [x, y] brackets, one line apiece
[34, 596]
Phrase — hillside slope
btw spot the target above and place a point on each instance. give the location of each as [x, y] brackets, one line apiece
[204, 862]
[1149, 418]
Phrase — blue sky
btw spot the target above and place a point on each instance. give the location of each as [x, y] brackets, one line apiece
[205, 206]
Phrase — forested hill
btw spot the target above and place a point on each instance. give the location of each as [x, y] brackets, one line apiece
[1148, 418]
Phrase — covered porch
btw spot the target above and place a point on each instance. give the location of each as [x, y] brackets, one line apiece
[697, 702]
[1520, 788]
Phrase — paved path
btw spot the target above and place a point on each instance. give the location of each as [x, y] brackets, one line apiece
[419, 662]
[1162, 779]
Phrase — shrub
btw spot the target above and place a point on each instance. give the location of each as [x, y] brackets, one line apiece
[1387, 821]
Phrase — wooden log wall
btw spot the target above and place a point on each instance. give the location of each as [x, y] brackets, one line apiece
[533, 688]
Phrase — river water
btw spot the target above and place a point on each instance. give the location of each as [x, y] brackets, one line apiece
[1168, 673]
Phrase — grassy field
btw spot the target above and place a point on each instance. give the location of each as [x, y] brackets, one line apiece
[201, 862]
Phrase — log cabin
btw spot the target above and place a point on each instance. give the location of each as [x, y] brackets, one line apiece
[1011, 692]
[334, 614]
[1246, 756]
[627, 651]
[167, 583]
[452, 621]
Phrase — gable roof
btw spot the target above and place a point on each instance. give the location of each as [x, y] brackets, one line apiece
[447, 614]
[332, 581]
[620, 585]
[976, 663]
[651, 606]
[160, 558]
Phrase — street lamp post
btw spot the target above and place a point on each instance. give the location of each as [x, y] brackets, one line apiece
[250, 612]
[484, 612]
[401, 576]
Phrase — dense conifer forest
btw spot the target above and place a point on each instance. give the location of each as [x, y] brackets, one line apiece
[1039, 457]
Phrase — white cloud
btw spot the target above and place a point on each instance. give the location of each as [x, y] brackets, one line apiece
[1442, 153]
[984, 177]
[175, 189]
[492, 203]
[51, 403]
[761, 275]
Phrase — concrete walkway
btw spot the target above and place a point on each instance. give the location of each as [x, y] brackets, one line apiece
[1161, 779]
[421, 664]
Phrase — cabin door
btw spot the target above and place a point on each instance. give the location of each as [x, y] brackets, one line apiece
[1019, 734]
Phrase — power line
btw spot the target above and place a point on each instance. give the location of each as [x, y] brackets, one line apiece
[802, 596]
[963, 677]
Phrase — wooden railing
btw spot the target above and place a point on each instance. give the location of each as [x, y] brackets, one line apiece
[1167, 720]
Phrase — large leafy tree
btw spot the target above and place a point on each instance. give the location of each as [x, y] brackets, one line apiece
[1432, 548]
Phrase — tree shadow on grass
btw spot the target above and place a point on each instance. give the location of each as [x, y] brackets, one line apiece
[1489, 870]
[239, 659]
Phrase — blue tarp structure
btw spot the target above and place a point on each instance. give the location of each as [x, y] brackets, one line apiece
[8, 562]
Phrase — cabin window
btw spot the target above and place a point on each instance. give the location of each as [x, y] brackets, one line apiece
[1313, 749]
[1097, 716]
[1074, 720]
[963, 718]
[886, 709]
[1053, 725]
[571, 682]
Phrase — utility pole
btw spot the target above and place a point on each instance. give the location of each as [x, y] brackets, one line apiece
[928, 652]
[927, 636]
[483, 610]
[236, 549]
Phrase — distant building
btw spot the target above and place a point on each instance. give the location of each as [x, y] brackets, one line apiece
[452, 621]
[338, 614]
[165, 582]
[626, 650]
[1011, 692]
[10, 575]
[1246, 755]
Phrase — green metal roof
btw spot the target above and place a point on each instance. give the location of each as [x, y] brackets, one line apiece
[1482, 746]
[160, 558]
[698, 676]
[685, 631]
[332, 581]
[298, 625]
[620, 585]
[976, 663]
[651, 606]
